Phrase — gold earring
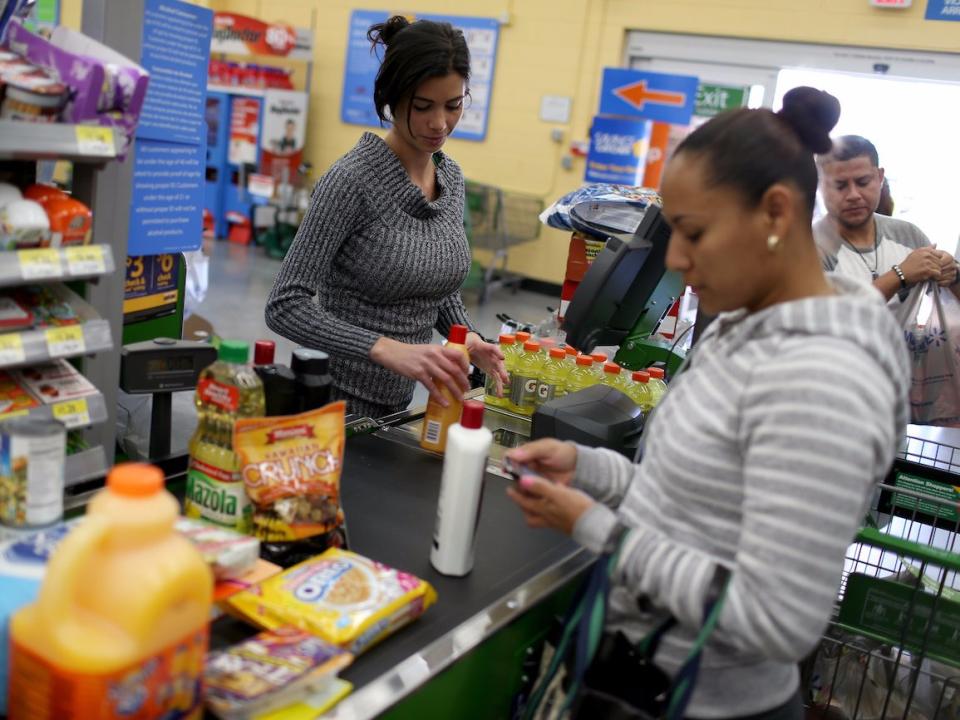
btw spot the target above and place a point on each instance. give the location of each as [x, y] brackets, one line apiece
[772, 242]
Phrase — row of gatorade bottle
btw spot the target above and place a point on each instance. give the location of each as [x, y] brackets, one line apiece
[541, 370]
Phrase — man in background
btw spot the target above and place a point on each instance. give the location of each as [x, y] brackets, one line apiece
[855, 241]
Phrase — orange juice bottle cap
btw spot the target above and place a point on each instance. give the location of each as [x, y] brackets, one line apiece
[611, 368]
[558, 353]
[531, 346]
[135, 479]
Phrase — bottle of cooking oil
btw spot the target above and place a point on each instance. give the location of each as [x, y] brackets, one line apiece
[227, 390]
[523, 389]
[657, 386]
[553, 376]
[640, 391]
[508, 346]
[582, 376]
[599, 360]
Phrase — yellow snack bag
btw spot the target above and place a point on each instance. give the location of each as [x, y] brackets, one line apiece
[291, 468]
[339, 596]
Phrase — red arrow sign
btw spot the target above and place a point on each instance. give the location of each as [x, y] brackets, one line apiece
[637, 95]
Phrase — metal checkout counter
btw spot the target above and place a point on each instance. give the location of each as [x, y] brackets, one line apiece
[478, 647]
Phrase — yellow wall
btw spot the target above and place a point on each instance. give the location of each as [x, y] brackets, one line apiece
[558, 47]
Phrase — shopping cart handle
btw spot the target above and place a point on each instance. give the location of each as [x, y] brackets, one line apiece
[908, 548]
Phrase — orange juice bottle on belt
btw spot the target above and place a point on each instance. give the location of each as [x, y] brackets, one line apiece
[438, 418]
[120, 626]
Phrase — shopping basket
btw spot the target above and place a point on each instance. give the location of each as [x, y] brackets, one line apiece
[496, 220]
[892, 649]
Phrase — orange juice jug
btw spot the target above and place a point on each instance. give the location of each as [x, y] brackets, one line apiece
[120, 626]
[438, 419]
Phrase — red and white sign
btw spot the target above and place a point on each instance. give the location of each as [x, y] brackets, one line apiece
[241, 35]
[244, 124]
[895, 4]
[284, 133]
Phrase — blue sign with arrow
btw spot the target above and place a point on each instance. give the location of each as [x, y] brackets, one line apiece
[649, 95]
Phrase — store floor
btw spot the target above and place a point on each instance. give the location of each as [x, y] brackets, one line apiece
[240, 278]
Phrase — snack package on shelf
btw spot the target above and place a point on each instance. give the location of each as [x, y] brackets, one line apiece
[229, 554]
[291, 468]
[23, 224]
[49, 308]
[13, 315]
[270, 671]
[339, 596]
[55, 381]
[14, 397]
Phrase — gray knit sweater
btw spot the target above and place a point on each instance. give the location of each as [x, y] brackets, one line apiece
[373, 258]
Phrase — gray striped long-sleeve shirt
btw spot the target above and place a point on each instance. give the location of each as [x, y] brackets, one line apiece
[761, 458]
[373, 258]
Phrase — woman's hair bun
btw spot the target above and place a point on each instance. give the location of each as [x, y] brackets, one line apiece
[383, 33]
[812, 114]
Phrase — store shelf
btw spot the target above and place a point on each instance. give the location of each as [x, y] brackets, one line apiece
[238, 90]
[29, 347]
[20, 267]
[78, 413]
[57, 141]
[86, 465]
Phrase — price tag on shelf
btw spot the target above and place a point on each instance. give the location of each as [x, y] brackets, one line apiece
[39, 263]
[11, 349]
[64, 341]
[13, 414]
[95, 140]
[85, 260]
[72, 413]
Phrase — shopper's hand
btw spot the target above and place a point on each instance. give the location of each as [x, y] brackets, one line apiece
[549, 505]
[435, 366]
[489, 358]
[553, 459]
[922, 264]
[948, 269]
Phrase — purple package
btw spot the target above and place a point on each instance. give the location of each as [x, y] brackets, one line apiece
[83, 75]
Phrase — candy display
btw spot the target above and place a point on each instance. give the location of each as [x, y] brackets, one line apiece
[340, 596]
[268, 671]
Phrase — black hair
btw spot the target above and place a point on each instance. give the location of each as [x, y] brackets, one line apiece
[751, 150]
[849, 147]
[415, 52]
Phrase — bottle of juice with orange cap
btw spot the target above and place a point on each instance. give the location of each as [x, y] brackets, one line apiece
[120, 626]
[657, 385]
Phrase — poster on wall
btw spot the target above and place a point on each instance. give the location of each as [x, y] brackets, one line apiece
[244, 127]
[284, 133]
[943, 10]
[482, 36]
[235, 34]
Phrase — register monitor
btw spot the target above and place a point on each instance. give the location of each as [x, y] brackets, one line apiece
[614, 294]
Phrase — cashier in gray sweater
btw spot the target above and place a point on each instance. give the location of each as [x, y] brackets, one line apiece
[763, 453]
[380, 256]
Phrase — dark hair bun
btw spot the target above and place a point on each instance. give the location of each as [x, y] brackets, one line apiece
[383, 33]
[812, 114]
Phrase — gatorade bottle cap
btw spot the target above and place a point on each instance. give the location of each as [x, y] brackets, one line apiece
[656, 373]
[135, 479]
[611, 368]
[531, 346]
[522, 336]
[572, 351]
[641, 376]
[309, 362]
[584, 360]
[472, 415]
[263, 352]
[599, 357]
[558, 353]
[234, 351]
[457, 334]
[508, 339]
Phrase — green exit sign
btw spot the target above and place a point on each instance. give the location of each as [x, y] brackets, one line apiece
[715, 99]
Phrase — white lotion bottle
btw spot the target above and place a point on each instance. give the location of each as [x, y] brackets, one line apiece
[461, 491]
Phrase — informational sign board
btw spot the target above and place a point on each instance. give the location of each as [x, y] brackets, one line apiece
[151, 287]
[648, 95]
[284, 133]
[715, 99]
[235, 34]
[943, 10]
[481, 34]
[618, 150]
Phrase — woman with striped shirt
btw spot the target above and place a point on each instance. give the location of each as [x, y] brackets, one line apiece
[762, 456]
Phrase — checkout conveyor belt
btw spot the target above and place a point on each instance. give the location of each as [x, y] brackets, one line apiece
[389, 491]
